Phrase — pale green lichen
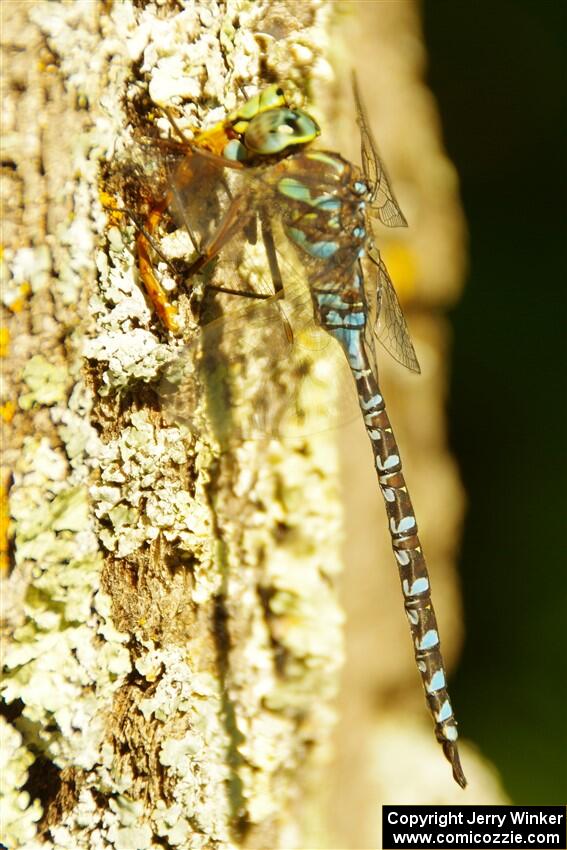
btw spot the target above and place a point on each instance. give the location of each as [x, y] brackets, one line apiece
[46, 382]
[139, 468]
[22, 268]
[127, 829]
[305, 620]
[18, 814]
[53, 661]
[195, 760]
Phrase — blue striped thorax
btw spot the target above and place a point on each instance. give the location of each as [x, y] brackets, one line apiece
[325, 204]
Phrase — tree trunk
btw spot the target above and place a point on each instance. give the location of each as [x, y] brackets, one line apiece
[173, 630]
[175, 626]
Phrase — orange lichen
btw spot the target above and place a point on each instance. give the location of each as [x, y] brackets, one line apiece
[4, 341]
[5, 523]
[7, 411]
[18, 304]
[108, 202]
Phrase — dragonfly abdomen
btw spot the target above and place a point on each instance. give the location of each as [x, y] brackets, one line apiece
[412, 568]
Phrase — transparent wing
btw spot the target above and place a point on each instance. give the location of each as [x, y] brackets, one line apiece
[383, 202]
[265, 368]
[390, 327]
[200, 192]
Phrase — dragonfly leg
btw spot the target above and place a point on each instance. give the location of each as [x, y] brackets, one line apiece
[213, 140]
[270, 247]
[184, 175]
[241, 293]
[268, 237]
[145, 242]
[149, 238]
[272, 260]
[155, 291]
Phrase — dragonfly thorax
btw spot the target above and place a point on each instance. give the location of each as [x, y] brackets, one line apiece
[324, 206]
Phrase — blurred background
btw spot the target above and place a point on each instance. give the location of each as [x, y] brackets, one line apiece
[498, 73]
[466, 104]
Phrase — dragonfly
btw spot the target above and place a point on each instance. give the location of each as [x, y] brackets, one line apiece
[325, 205]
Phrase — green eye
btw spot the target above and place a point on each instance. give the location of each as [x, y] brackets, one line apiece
[271, 97]
[277, 129]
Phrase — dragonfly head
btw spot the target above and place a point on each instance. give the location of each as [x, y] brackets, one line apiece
[272, 132]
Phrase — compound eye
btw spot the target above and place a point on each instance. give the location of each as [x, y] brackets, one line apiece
[277, 129]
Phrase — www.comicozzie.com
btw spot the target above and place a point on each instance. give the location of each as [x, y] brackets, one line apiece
[473, 826]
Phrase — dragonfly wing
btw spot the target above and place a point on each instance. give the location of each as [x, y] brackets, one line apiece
[383, 202]
[199, 192]
[390, 327]
[264, 368]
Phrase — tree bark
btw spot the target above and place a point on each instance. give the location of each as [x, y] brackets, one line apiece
[174, 626]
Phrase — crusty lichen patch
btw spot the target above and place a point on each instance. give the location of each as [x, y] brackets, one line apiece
[55, 663]
[276, 713]
[18, 814]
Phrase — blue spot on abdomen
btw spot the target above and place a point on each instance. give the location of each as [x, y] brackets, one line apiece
[320, 250]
